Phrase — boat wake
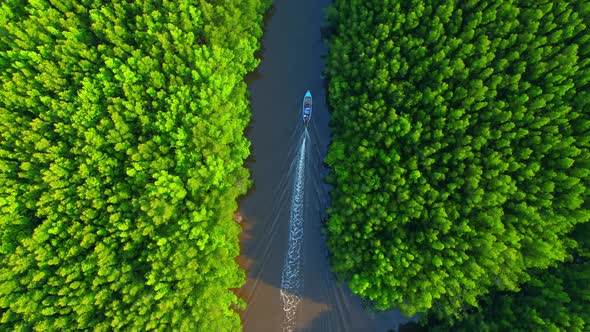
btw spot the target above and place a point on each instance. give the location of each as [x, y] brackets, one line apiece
[292, 276]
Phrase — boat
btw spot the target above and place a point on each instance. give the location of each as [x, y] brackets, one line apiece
[306, 107]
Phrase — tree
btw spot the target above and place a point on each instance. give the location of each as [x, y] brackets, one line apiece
[468, 118]
[555, 299]
[120, 162]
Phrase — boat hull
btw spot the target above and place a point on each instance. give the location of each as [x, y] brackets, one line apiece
[307, 107]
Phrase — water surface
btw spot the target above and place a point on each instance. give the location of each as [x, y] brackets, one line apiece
[292, 63]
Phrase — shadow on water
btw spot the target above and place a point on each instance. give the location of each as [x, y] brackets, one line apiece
[412, 327]
[324, 321]
[292, 61]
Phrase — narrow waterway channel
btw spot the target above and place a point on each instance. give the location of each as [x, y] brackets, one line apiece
[291, 63]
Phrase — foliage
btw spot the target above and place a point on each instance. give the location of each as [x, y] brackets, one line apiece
[121, 151]
[460, 154]
[557, 299]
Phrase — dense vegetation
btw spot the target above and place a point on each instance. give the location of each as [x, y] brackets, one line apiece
[460, 157]
[557, 299]
[121, 130]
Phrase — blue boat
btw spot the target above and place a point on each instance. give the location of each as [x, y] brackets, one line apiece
[306, 107]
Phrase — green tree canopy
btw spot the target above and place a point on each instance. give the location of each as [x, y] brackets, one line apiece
[460, 155]
[556, 299]
[121, 152]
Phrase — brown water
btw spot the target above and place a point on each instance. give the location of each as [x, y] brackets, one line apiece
[291, 63]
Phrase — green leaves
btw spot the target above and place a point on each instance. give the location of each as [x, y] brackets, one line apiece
[120, 162]
[460, 139]
[552, 300]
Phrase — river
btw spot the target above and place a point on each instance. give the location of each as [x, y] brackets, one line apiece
[292, 51]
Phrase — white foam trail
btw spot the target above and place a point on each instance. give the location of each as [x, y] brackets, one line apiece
[292, 277]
